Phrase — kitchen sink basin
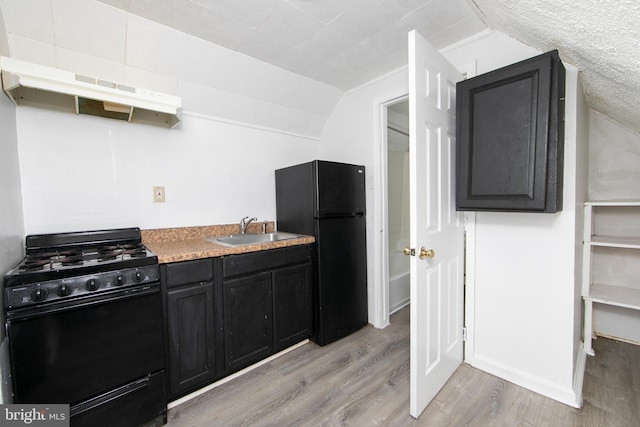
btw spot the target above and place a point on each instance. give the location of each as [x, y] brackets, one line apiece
[251, 238]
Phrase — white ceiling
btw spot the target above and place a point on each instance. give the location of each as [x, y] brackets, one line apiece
[345, 43]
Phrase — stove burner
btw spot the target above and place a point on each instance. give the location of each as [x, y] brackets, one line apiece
[70, 260]
[43, 255]
[137, 252]
[133, 246]
[108, 255]
[34, 265]
[70, 253]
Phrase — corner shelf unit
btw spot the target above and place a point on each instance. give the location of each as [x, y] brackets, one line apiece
[611, 250]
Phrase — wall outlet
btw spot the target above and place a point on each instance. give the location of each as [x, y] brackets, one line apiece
[158, 194]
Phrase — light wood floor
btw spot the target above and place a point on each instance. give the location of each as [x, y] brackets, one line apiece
[363, 380]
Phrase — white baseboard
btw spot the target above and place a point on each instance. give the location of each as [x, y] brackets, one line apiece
[553, 391]
[398, 306]
[578, 374]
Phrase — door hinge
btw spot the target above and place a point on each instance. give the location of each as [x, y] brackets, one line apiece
[464, 333]
[465, 221]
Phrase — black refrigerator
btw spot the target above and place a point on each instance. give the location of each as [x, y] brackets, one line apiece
[327, 200]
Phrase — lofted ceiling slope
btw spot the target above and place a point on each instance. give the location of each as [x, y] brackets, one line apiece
[345, 43]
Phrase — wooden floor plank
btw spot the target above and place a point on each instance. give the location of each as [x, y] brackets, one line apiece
[363, 380]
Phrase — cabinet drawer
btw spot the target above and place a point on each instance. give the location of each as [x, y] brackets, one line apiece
[235, 265]
[186, 272]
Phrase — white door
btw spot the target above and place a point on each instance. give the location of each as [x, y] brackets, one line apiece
[437, 275]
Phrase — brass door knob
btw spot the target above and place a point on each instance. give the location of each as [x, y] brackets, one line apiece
[427, 253]
[408, 251]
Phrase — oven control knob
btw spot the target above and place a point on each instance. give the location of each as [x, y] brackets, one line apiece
[120, 280]
[92, 285]
[138, 277]
[39, 295]
[64, 290]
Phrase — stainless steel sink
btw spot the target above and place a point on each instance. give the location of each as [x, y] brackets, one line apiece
[251, 238]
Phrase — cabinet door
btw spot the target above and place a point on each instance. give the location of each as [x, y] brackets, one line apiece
[191, 336]
[510, 137]
[248, 325]
[292, 314]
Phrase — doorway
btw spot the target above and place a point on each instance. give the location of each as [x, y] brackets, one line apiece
[397, 280]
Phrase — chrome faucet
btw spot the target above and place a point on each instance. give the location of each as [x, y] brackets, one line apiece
[244, 223]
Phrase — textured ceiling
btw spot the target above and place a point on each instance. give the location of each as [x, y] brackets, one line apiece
[343, 43]
[600, 37]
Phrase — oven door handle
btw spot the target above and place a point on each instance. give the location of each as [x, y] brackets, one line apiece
[86, 301]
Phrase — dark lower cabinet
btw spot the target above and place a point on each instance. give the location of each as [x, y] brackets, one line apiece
[224, 314]
[267, 303]
[191, 336]
[292, 316]
[248, 314]
[194, 350]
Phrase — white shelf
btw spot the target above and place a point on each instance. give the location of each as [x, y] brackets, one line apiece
[615, 295]
[616, 242]
[610, 221]
[612, 203]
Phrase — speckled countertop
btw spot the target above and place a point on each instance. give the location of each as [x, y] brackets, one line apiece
[187, 243]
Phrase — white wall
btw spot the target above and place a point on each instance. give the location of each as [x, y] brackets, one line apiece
[614, 160]
[81, 172]
[11, 223]
[243, 119]
[126, 48]
[4, 43]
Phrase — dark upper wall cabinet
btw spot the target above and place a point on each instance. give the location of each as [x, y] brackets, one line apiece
[510, 133]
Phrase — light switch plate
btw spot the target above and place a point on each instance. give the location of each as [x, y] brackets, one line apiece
[158, 194]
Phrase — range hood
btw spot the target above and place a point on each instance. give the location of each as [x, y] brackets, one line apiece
[37, 85]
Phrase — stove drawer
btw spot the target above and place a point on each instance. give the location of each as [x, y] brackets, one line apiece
[128, 406]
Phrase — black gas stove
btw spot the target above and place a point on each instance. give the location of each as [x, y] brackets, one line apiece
[84, 326]
[73, 265]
